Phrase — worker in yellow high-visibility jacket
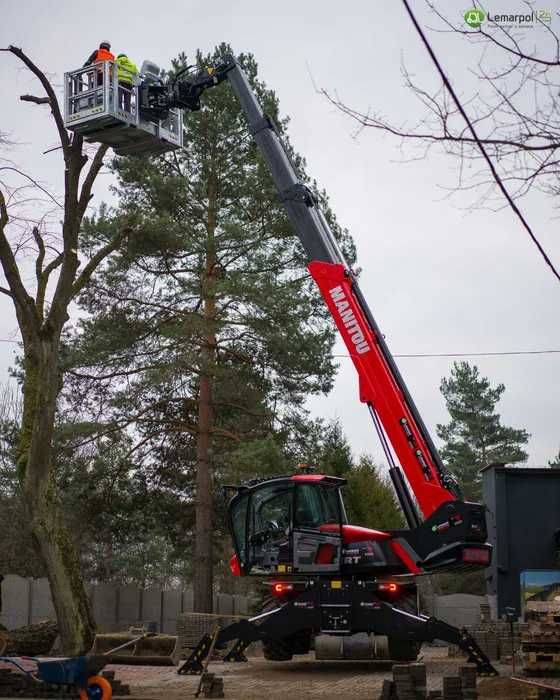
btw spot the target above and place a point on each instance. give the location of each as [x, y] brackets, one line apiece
[126, 72]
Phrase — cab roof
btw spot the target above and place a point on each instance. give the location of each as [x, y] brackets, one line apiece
[298, 478]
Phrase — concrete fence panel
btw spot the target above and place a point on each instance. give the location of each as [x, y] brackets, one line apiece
[188, 600]
[152, 606]
[240, 605]
[172, 601]
[40, 600]
[225, 604]
[104, 598]
[15, 598]
[129, 606]
[114, 608]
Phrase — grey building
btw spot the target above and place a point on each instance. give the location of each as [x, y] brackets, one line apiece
[523, 525]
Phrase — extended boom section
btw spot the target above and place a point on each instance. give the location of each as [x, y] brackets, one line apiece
[380, 383]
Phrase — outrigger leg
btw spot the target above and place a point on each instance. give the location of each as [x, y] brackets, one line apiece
[375, 616]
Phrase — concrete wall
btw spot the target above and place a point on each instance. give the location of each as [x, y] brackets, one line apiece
[458, 609]
[115, 608]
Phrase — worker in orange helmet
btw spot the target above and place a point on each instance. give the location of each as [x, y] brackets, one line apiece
[103, 53]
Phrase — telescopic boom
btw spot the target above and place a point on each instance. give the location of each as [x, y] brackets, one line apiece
[381, 386]
[400, 427]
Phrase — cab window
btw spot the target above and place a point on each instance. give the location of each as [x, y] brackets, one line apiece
[316, 505]
[272, 508]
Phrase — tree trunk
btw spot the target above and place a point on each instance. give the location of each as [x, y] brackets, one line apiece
[50, 537]
[203, 561]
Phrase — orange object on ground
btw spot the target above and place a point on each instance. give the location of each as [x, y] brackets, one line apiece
[101, 683]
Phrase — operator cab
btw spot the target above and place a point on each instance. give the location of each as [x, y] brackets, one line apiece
[104, 111]
[276, 525]
[297, 525]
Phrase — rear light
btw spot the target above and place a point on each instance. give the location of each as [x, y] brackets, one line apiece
[234, 565]
[388, 587]
[280, 588]
[474, 555]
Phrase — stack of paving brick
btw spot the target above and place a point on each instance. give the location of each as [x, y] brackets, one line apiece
[212, 686]
[409, 683]
[494, 636]
[191, 627]
[119, 689]
[541, 645]
[488, 639]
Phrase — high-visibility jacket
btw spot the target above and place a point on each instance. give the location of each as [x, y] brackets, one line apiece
[126, 69]
[100, 55]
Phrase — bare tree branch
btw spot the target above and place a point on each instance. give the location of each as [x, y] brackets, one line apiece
[479, 142]
[94, 168]
[36, 100]
[55, 107]
[98, 258]
[24, 305]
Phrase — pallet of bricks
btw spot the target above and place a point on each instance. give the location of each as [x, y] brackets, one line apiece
[494, 636]
[410, 683]
[540, 643]
[191, 627]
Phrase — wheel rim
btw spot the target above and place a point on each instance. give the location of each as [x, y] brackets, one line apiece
[95, 692]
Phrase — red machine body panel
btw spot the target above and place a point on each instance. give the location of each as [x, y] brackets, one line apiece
[378, 387]
[355, 533]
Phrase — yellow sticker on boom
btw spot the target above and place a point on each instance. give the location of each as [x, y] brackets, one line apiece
[336, 584]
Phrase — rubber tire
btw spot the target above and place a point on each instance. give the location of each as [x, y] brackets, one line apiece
[403, 649]
[277, 649]
[96, 683]
[284, 649]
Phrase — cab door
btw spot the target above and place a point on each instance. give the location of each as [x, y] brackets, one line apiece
[316, 550]
[268, 528]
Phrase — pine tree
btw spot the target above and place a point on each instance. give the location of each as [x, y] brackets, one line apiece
[208, 335]
[335, 454]
[369, 498]
[475, 437]
[555, 462]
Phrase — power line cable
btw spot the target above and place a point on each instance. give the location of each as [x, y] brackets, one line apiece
[500, 353]
[473, 354]
[479, 143]
[479, 354]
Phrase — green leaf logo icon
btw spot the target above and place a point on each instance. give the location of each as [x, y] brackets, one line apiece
[474, 17]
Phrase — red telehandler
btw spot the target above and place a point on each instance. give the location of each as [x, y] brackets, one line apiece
[325, 575]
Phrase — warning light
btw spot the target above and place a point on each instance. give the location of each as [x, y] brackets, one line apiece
[282, 588]
[234, 565]
[388, 587]
[305, 468]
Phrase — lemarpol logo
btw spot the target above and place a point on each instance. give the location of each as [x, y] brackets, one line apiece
[475, 17]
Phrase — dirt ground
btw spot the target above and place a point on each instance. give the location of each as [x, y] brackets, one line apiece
[307, 678]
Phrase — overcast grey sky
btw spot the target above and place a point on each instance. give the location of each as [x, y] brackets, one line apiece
[438, 279]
